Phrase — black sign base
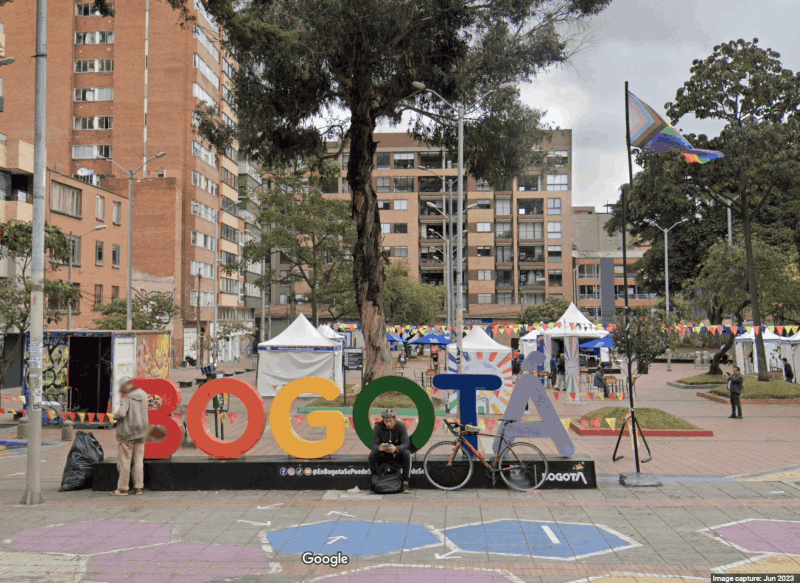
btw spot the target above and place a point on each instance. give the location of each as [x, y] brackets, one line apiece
[330, 473]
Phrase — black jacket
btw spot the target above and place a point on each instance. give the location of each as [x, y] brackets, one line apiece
[599, 380]
[562, 364]
[735, 382]
[398, 436]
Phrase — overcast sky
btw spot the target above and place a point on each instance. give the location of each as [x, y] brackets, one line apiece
[650, 44]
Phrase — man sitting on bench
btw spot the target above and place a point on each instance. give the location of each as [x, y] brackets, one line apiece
[390, 444]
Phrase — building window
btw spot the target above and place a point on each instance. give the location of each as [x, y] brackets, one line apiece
[505, 255]
[94, 66]
[531, 254]
[76, 249]
[484, 275]
[206, 70]
[384, 161]
[229, 233]
[94, 94]
[117, 213]
[530, 206]
[404, 161]
[505, 299]
[232, 179]
[202, 240]
[99, 208]
[531, 277]
[95, 37]
[504, 230]
[401, 251]
[553, 206]
[483, 185]
[65, 199]
[345, 161]
[484, 203]
[98, 294]
[401, 205]
[114, 292]
[554, 253]
[100, 122]
[502, 207]
[384, 205]
[401, 228]
[559, 157]
[430, 160]
[554, 230]
[588, 271]
[227, 68]
[431, 184]
[554, 277]
[557, 182]
[203, 95]
[204, 211]
[99, 252]
[329, 185]
[404, 184]
[384, 184]
[484, 251]
[528, 183]
[115, 252]
[484, 227]
[532, 299]
[87, 9]
[228, 286]
[204, 154]
[386, 228]
[484, 298]
[206, 42]
[530, 230]
[206, 184]
[204, 269]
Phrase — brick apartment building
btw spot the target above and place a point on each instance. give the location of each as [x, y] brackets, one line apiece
[599, 276]
[126, 88]
[99, 258]
[517, 237]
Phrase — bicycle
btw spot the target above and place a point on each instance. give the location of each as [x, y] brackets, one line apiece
[448, 465]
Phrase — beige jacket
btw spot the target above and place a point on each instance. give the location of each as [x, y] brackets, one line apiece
[133, 421]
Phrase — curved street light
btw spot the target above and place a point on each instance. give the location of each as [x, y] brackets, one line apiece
[130, 173]
[666, 270]
[461, 109]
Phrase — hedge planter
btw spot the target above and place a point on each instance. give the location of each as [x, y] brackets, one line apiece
[577, 428]
[745, 401]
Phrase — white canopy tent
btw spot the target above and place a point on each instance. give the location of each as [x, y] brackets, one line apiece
[299, 351]
[484, 355]
[574, 323]
[331, 334]
[790, 350]
[528, 342]
[746, 351]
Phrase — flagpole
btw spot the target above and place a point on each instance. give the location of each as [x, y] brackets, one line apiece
[625, 280]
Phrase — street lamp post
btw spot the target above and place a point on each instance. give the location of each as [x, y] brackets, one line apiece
[71, 252]
[130, 173]
[461, 109]
[666, 273]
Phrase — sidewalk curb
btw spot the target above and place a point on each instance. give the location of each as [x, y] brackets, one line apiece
[646, 432]
[718, 399]
[679, 385]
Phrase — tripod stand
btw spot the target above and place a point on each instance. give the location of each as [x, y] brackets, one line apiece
[633, 425]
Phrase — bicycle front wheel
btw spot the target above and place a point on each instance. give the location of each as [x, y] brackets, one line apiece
[523, 466]
[444, 474]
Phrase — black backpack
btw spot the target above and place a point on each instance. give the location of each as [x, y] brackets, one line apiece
[388, 480]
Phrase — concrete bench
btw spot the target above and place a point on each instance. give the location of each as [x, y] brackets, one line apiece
[185, 384]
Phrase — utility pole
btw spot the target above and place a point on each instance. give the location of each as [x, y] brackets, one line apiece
[199, 334]
[33, 490]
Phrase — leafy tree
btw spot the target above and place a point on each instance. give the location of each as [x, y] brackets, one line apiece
[152, 313]
[681, 309]
[409, 301]
[316, 236]
[723, 285]
[302, 61]
[15, 290]
[748, 88]
[550, 311]
[649, 338]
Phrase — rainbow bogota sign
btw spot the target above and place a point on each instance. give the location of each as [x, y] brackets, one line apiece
[280, 418]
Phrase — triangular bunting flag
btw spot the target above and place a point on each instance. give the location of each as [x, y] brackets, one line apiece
[574, 395]
[611, 396]
[585, 423]
[72, 416]
[91, 417]
[376, 420]
[12, 411]
[437, 424]
[223, 417]
[583, 395]
[63, 415]
[565, 423]
[620, 396]
[408, 422]
[81, 416]
[490, 424]
[23, 399]
[611, 422]
[352, 423]
[2, 411]
[232, 417]
[51, 415]
[591, 396]
[596, 423]
[101, 417]
[298, 420]
[557, 395]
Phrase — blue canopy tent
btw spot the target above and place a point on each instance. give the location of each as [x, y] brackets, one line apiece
[394, 338]
[605, 342]
[432, 339]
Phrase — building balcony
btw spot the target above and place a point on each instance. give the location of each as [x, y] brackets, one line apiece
[17, 196]
[636, 296]
[532, 259]
[509, 283]
[588, 297]
[536, 283]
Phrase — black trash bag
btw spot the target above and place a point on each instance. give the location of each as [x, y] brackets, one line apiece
[388, 480]
[85, 452]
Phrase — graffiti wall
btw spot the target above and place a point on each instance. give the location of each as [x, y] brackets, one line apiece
[55, 363]
[152, 356]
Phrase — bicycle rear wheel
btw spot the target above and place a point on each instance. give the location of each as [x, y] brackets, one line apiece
[523, 466]
[443, 474]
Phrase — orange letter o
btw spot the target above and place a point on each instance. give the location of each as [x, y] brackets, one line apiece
[255, 423]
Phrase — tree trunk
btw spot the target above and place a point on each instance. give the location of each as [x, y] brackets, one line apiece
[368, 269]
[752, 285]
[714, 369]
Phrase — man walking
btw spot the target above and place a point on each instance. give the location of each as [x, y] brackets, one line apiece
[735, 386]
[132, 430]
[562, 368]
[788, 373]
[390, 444]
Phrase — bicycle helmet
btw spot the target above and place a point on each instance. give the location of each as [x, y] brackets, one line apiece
[388, 413]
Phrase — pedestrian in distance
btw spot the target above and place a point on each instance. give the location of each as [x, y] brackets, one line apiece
[788, 373]
[735, 386]
[132, 431]
[599, 380]
[562, 368]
